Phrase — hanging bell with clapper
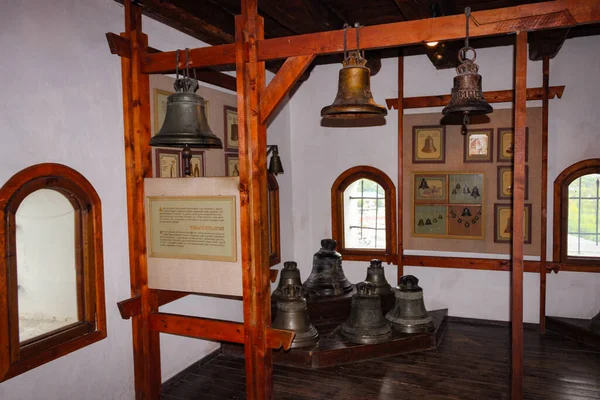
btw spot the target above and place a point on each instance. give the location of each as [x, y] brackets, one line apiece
[409, 314]
[292, 315]
[467, 96]
[354, 98]
[366, 324]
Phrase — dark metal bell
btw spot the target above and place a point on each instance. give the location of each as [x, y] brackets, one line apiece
[290, 275]
[409, 314]
[475, 192]
[466, 212]
[366, 324]
[467, 97]
[376, 275]
[421, 223]
[327, 276]
[185, 121]
[275, 165]
[423, 184]
[354, 98]
[292, 315]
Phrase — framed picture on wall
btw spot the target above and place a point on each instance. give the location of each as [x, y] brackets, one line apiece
[167, 163]
[430, 188]
[505, 182]
[478, 144]
[506, 144]
[197, 163]
[231, 129]
[232, 167]
[429, 144]
[160, 108]
[503, 223]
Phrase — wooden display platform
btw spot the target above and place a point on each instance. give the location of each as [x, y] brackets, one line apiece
[333, 350]
[575, 329]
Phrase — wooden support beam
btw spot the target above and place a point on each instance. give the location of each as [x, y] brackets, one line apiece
[518, 217]
[544, 195]
[118, 45]
[496, 96]
[288, 75]
[482, 264]
[399, 236]
[545, 15]
[214, 329]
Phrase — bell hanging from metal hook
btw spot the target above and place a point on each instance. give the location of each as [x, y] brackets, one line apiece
[467, 97]
[354, 99]
[185, 122]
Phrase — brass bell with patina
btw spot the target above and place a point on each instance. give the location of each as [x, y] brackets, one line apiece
[376, 275]
[185, 120]
[289, 275]
[409, 314]
[327, 276]
[292, 315]
[366, 324]
[354, 98]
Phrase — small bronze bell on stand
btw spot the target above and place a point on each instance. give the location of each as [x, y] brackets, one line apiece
[292, 315]
[428, 147]
[366, 324]
[409, 315]
[290, 275]
[185, 122]
[354, 98]
[467, 97]
[327, 276]
[376, 275]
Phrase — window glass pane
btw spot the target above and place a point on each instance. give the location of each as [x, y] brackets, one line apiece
[574, 188]
[589, 210]
[364, 215]
[589, 185]
[584, 245]
[46, 266]
[573, 215]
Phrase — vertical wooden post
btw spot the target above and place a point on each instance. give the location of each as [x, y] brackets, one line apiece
[253, 190]
[544, 202]
[136, 117]
[400, 191]
[518, 215]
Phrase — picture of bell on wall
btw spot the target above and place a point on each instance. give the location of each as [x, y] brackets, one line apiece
[506, 144]
[430, 188]
[465, 221]
[465, 188]
[503, 225]
[505, 182]
[429, 144]
[429, 220]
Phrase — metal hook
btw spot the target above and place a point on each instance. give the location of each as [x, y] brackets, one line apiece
[467, 16]
[177, 64]
[357, 26]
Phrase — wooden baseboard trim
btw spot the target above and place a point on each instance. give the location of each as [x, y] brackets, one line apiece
[478, 321]
[181, 374]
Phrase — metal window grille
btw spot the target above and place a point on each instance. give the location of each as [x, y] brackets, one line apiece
[579, 234]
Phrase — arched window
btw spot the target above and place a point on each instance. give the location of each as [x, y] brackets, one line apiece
[577, 213]
[51, 267]
[363, 211]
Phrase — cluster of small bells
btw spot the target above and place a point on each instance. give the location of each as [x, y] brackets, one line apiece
[366, 323]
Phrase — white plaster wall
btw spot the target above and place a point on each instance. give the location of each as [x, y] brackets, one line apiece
[320, 154]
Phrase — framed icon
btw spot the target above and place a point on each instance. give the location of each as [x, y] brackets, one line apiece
[429, 144]
[231, 129]
[232, 167]
[197, 164]
[503, 223]
[506, 144]
[505, 182]
[478, 144]
[168, 163]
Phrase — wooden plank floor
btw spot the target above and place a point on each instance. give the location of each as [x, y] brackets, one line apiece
[471, 363]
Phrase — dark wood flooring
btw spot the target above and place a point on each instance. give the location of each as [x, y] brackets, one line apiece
[472, 362]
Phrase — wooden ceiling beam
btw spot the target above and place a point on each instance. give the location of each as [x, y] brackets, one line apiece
[529, 17]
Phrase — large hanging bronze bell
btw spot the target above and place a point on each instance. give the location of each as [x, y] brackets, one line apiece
[467, 97]
[366, 324]
[354, 98]
[185, 120]
[292, 315]
[409, 314]
[327, 276]
[376, 275]
[290, 275]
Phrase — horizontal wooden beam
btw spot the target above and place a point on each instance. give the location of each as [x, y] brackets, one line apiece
[213, 329]
[528, 17]
[497, 96]
[133, 306]
[486, 264]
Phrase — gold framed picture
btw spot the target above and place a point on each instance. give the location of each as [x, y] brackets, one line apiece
[505, 182]
[430, 188]
[167, 163]
[232, 167]
[429, 144]
[231, 129]
[197, 163]
[506, 144]
[503, 223]
[478, 144]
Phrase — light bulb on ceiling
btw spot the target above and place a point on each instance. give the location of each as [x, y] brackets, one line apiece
[432, 44]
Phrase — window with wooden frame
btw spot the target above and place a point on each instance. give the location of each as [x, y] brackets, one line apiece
[51, 268]
[576, 214]
[363, 214]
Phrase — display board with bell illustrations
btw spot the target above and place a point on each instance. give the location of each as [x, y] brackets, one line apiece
[448, 205]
